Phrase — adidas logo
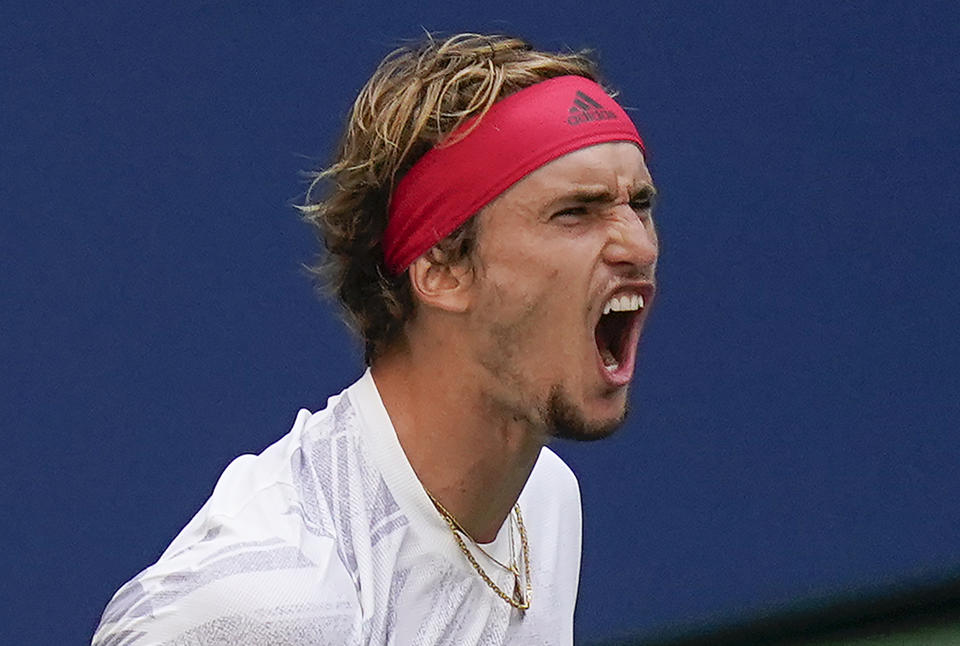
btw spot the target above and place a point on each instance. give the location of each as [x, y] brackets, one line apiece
[585, 109]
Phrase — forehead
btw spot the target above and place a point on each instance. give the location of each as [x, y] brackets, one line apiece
[615, 167]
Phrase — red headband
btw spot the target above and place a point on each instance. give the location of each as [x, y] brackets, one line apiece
[516, 136]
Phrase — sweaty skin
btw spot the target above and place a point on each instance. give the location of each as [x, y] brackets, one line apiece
[502, 354]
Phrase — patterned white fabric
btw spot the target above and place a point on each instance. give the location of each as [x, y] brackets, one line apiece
[327, 537]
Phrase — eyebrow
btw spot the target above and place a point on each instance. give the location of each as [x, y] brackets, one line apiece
[601, 194]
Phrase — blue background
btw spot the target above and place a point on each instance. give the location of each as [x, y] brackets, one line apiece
[794, 433]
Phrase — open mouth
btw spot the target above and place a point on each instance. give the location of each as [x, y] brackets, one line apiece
[616, 336]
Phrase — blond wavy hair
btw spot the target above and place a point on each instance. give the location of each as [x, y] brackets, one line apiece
[418, 95]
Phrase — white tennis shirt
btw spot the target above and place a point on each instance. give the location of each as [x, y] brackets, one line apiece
[327, 537]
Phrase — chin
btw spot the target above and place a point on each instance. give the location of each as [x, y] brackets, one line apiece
[566, 420]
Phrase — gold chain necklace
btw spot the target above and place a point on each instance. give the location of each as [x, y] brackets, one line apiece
[519, 600]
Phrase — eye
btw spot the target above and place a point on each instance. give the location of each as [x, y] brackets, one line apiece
[571, 214]
[642, 203]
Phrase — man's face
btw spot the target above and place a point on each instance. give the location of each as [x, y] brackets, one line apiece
[567, 242]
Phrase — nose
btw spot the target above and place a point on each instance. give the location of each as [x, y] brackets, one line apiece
[632, 240]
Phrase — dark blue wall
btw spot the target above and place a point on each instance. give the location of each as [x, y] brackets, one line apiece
[794, 430]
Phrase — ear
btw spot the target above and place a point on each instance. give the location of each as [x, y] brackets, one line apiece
[443, 286]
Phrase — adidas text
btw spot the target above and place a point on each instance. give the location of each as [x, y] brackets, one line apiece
[585, 116]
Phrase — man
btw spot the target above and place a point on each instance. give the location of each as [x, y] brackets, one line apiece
[488, 228]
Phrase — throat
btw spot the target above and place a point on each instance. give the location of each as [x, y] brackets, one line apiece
[462, 445]
[611, 337]
[476, 471]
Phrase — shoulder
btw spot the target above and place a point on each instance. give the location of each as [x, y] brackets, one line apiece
[259, 563]
[284, 490]
[551, 509]
[552, 476]
[552, 494]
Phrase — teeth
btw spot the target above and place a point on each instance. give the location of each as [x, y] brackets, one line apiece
[625, 303]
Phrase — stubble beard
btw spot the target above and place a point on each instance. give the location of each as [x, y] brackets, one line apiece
[564, 420]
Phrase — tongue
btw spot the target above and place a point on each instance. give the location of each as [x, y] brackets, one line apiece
[609, 360]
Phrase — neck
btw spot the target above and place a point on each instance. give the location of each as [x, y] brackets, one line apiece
[472, 457]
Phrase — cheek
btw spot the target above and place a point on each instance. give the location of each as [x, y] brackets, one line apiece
[513, 319]
[508, 306]
[528, 299]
